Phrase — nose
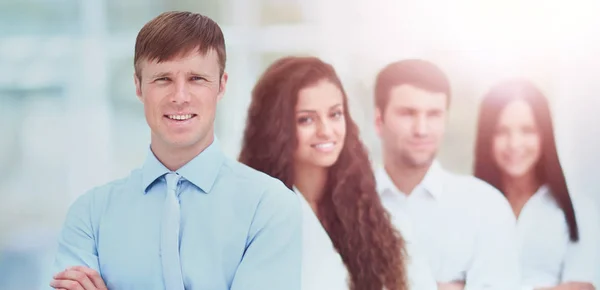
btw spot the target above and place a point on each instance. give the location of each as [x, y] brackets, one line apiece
[421, 126]
[324, 129]
[181, 93]
[515, 140]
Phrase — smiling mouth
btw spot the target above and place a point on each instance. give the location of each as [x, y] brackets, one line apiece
[421, 144]
[324, 146]
[184, 117]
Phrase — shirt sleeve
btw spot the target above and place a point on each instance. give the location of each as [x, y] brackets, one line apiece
[582, 258]
[272, 259]
[495, 264]
[76, 242]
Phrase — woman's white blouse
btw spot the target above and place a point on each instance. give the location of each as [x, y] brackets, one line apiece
[322, 265]
[547, 256]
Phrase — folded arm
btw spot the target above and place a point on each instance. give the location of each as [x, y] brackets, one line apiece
[76, 243]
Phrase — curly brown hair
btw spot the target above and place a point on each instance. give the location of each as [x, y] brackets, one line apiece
[350, 210]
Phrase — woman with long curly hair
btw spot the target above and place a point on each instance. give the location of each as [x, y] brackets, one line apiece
[515, 152]
[299, 130]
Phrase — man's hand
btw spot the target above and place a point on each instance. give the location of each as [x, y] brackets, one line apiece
[451, 286]
[572, 286]
[78, 278]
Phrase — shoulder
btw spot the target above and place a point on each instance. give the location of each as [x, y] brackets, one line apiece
[266, 199]
[587, 210]
[479, 197]
[243, 176]
[98, 198]
[116, 188]
[240, 177]
[473, 188]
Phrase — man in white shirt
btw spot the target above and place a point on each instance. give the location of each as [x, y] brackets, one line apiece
[464, 226]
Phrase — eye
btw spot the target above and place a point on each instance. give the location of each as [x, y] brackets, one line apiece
[529, 130]
[305, 120]
[501, 131]
[162, 79]
[405, 112]
[337, 114]
[435, 114]
[197, 78]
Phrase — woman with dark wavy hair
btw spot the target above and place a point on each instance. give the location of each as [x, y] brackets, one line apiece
[516, 152]
[299, 130]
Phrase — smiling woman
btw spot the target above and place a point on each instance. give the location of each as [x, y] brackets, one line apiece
[321, 125]
[516, 152]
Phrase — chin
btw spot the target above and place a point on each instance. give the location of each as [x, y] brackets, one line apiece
[513, 170]
[325, 162]
[516, 172]
[182, 142]
[421, 161]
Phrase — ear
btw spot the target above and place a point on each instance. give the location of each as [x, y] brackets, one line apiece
[222, 86]
[378, 121]
[138, 87]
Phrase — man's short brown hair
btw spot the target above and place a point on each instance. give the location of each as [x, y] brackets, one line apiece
[173, 34]
[414, 72]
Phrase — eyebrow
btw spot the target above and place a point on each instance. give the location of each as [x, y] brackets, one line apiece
[159, 75]
[196, 73]
[313, 111]
[165, 74]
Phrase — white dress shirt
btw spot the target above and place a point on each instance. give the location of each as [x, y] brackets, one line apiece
[322, 265]
[548, 257]
[464, 226]
[418, 273]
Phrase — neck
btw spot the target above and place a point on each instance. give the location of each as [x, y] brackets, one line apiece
[176, 157]
[518, 190]
[520, 187]
[404, 176]
[310, 181]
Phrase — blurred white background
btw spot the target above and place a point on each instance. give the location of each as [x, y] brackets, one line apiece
[69, 118]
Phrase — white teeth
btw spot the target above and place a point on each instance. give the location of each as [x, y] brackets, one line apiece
[180, 117]
[324, 145]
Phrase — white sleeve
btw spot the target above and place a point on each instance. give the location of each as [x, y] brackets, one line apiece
[582, 259]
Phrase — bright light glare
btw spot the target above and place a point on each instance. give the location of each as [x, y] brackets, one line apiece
[497, 37]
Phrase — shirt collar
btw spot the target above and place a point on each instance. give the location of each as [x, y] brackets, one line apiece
[543, 193]
[544, 189]
[202, 171]
[432, 182]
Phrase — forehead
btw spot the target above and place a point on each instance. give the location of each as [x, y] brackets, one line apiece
[322, 95]
[516, 112]
[191, 61]
[413, 97]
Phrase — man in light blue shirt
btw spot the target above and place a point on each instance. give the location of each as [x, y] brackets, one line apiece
[189, 218]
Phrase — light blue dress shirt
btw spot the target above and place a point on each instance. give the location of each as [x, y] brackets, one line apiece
[240, 229]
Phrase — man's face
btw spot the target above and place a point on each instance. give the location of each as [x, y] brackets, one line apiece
[180, 98]
[412, 125]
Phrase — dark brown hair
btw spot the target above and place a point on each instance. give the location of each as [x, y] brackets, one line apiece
[415, 72]
[548, 169]
[350, 211]
[173, 34]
